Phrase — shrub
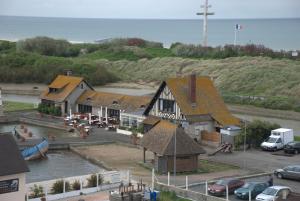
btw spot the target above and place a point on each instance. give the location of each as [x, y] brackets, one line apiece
[58, 187]
[37, 191]
[256, 132]
[46, 46]
[92, 180]
[76, 185]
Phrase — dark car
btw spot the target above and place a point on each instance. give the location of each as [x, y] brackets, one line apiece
[254, 187]
[292, 147]
[219, 188]
[289, 172]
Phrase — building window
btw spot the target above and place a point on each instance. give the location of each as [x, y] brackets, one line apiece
[84, 108]
[81, 86]
[52, 90]
[167, 105]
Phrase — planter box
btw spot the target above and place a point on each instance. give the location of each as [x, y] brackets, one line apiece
[124, 132]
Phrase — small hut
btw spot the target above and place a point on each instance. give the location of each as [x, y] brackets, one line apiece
[161, 140]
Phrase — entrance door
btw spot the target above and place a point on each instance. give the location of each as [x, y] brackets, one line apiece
[66, 107]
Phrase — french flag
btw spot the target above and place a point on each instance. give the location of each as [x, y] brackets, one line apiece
[238, 27]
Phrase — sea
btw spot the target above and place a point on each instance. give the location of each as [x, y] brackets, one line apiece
[273, 33]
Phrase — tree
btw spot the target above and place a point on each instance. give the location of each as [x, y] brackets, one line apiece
[257, 131]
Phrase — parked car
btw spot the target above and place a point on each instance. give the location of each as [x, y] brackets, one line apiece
[289, 172]
[219, 188]
[292, 147]
[254, 187]
[273, 192]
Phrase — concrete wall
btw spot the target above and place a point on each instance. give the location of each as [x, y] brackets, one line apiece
[187, 193]
[195, 129]
[15, 196]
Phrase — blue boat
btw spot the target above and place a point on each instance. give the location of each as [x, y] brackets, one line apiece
[37, 151]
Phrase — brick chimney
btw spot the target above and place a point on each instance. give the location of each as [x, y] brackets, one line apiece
[192, 88]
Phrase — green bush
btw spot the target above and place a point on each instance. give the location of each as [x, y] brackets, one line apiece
[47, 46]
[92, 180]
[37, 191]
[76, 185]
[58, 187]
[256, 132]
[52, 110]
[198, 51]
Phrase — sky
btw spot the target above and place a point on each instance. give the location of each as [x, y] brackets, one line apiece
[166, 9]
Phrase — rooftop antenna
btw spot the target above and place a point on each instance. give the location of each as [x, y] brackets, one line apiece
[205, 13]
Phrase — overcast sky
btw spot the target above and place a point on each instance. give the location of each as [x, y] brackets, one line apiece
[178, 9]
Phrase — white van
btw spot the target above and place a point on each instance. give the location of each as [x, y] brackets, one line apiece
[278, 138]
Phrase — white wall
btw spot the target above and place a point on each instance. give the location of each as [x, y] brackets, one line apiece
[72, 98]
[14, 196]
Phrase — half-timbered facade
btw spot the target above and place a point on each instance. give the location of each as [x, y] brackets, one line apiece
[195, 103]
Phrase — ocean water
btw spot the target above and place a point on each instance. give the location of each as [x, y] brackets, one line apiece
[273, 33]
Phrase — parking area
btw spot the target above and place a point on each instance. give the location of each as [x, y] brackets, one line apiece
[257, 161]
[232, 197]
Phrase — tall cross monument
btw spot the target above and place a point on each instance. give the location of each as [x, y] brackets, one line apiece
[205, 13]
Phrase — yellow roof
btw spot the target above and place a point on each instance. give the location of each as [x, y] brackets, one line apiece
[208, 100]
[113, 100]
[64, 85]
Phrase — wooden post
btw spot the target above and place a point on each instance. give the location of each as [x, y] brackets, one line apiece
[186, 183]
[144, 155]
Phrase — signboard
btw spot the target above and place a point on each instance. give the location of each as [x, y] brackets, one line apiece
[167, 115]
[294, 54]
[8, 186]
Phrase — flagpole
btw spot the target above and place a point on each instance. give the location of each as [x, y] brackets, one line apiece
[235, 33]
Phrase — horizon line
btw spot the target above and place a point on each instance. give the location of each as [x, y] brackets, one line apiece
[111, 18]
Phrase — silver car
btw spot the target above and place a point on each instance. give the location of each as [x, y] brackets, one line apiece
[289, 172]
[273, 192]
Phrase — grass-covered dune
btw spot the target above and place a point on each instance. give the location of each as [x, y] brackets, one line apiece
[271, 80]
[260, 81]
[259, 76]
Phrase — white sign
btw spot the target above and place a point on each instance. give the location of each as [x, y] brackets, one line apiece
[294, 54]
[167, 115]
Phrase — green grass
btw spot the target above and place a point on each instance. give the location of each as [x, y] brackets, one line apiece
[297, 138]
[159, 52]
[206, 166]
[10, 106]
[170, 196]
[112, 56]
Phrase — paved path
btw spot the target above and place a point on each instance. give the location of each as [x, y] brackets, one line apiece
[96, 136]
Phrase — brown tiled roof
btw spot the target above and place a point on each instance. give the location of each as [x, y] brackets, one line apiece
[65, 86]
[208, 100]
[11, 159]
[151, 120]
[112, 100]
[160, 140]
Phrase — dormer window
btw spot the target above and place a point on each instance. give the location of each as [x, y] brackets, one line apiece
[81, 85]
[53, 90]
[89, 99]
[115, 102]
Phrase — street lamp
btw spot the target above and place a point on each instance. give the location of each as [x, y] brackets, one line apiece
[245, 130]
